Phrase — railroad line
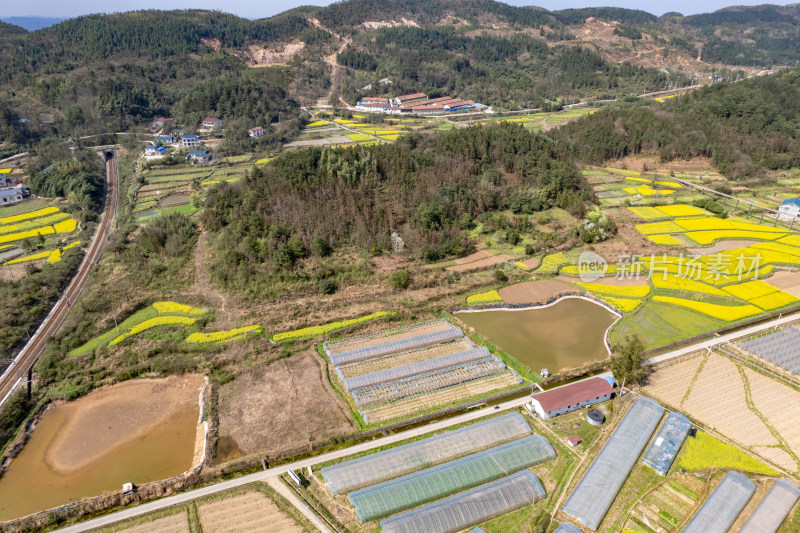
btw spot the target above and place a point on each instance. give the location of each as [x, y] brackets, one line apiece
[23, 363]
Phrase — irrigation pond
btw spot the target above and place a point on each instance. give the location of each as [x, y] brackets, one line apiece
[137, 431]
[563, 335]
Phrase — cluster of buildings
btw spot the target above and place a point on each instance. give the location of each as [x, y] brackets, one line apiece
[12, 190]
[416, 104]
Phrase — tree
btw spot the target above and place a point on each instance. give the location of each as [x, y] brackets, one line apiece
[626, 362]
[400, 279]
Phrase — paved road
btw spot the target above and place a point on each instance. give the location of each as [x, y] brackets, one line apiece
[397, 437]
[23, 362]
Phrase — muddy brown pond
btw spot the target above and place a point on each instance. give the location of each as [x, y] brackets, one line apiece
[137, 431]
[567, 334]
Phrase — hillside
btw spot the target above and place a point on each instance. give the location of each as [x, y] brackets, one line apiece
[103, 73]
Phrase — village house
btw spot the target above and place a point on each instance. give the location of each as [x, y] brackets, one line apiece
[199, 156]
[13, 195]
[790, 207]
[159, 122]
[165, 139]
[408, 98]
[256, 132]
[188, 141]
[211, 123]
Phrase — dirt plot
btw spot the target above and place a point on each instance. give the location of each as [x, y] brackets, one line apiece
[357, 344]
[174, 199]
[245, 513]
[786, 281]
[441, 398]
[281, 407]
[483, 263]
[671, 383]
[177, 523]
[532, 263]
[376, 365]
[723, 246]
[760, 413]
[477, 256]
[535, 292]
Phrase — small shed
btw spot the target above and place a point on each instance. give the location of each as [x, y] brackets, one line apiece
[574, 440]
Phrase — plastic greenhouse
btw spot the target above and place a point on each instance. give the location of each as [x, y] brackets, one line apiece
[566, 527]
[413, 369]
[595, 493]
[390, 347]
[431, 381]
[721, 509]
[669, 439]
[394, 462]
[471, 507]
[433, 483]
[773, 509]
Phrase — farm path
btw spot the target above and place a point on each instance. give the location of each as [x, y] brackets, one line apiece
[205, 288]
[284, 491]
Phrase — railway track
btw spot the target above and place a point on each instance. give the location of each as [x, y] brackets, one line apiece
[22, 364]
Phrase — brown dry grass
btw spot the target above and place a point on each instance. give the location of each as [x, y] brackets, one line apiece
[723, 246]
[248, 512]
[477, 256]
[281, 407]
[482, 263]
[451, 395]
[534, 292]
[177, 523]
[404, 358]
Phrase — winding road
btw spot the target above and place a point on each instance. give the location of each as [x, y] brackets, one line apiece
[14, 375]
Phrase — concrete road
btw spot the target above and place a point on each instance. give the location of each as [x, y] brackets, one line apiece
[411, 433]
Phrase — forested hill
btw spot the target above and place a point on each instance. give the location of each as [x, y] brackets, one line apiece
[428, 189]
[10, 29]
[116, 72]
[745, 127]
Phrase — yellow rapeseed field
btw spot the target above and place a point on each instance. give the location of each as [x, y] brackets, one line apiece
[626, 305]
[174, 308]
[729, 313]
[314, 331]
[647, 213]
[652, 228]
[681, 210]
[684, 284]
[221, 336]
[668, 240]
[775, 300]
[484, 297]
[636, 291]
[32, 214]
[152, 323]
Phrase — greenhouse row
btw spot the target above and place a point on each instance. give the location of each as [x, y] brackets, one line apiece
[370, 352]
[721, 509]
[402, 388]
[773, 509]
[566, 527]
[394, 462]
[669, 439]
[471, 507]
[414, 369]
[433, 483]
[592, 498]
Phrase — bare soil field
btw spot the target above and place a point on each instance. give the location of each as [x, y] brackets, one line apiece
[723, 246]
[483, 263]
[357, 344]
[477, 256]
[535, 292]
[532, 263]
[177, 523]
[112, 416]
[786, 281]
[749, 408]
[404, 358]
[249, 512]
[451, 395]
[262, 411]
